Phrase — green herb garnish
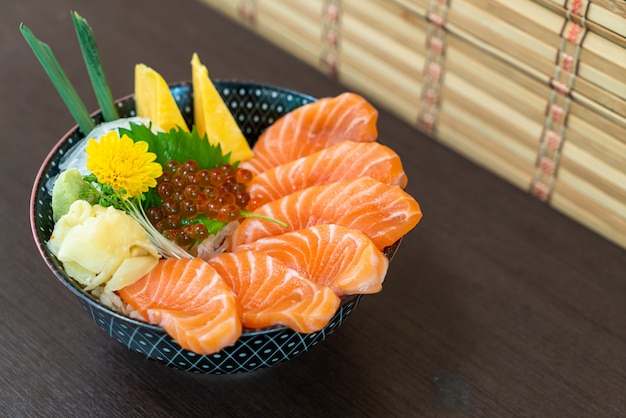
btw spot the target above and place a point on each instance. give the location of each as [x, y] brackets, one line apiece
[179, 145]
[58, 77]
[93, 62]
[213, 226]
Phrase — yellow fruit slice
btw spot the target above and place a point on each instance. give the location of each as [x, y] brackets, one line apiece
[153, 99]
[212, 117]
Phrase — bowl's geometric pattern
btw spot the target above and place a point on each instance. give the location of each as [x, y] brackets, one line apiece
[254, 107]
[254, 350]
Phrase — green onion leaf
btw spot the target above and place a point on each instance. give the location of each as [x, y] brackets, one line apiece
[248, 214]
[88, 46]
[58, 77]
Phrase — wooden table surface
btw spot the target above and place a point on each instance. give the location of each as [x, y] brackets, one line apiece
[496, 305]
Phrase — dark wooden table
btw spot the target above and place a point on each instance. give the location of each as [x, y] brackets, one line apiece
[496, 305]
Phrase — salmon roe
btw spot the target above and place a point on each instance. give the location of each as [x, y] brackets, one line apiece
[188, 192]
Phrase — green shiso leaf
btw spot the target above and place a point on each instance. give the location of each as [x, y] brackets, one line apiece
[179, 145]
[60, 81]
[100, 84]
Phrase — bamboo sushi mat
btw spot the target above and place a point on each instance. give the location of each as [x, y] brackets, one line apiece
[532, 90]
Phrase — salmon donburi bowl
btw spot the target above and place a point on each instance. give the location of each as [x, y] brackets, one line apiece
[216, 227]
[209, 317]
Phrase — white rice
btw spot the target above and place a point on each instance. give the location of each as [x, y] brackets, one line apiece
[113, 301]
[217, 244]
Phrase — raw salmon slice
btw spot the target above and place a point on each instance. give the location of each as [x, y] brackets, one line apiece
[344, 259]
[346, 160]
[271, 293]
[312, 127]
[383, 212]
[190, 301]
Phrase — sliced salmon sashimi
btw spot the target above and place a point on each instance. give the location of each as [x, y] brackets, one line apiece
[346, 160]
[271, 293]
[385, 213]
[320, 170]
[344, 259]
[313, 127]
[190, 301]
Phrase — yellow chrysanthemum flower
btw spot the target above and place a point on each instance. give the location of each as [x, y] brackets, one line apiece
[123, 164]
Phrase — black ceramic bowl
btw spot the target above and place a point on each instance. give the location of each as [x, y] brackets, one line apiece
[255, 107]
